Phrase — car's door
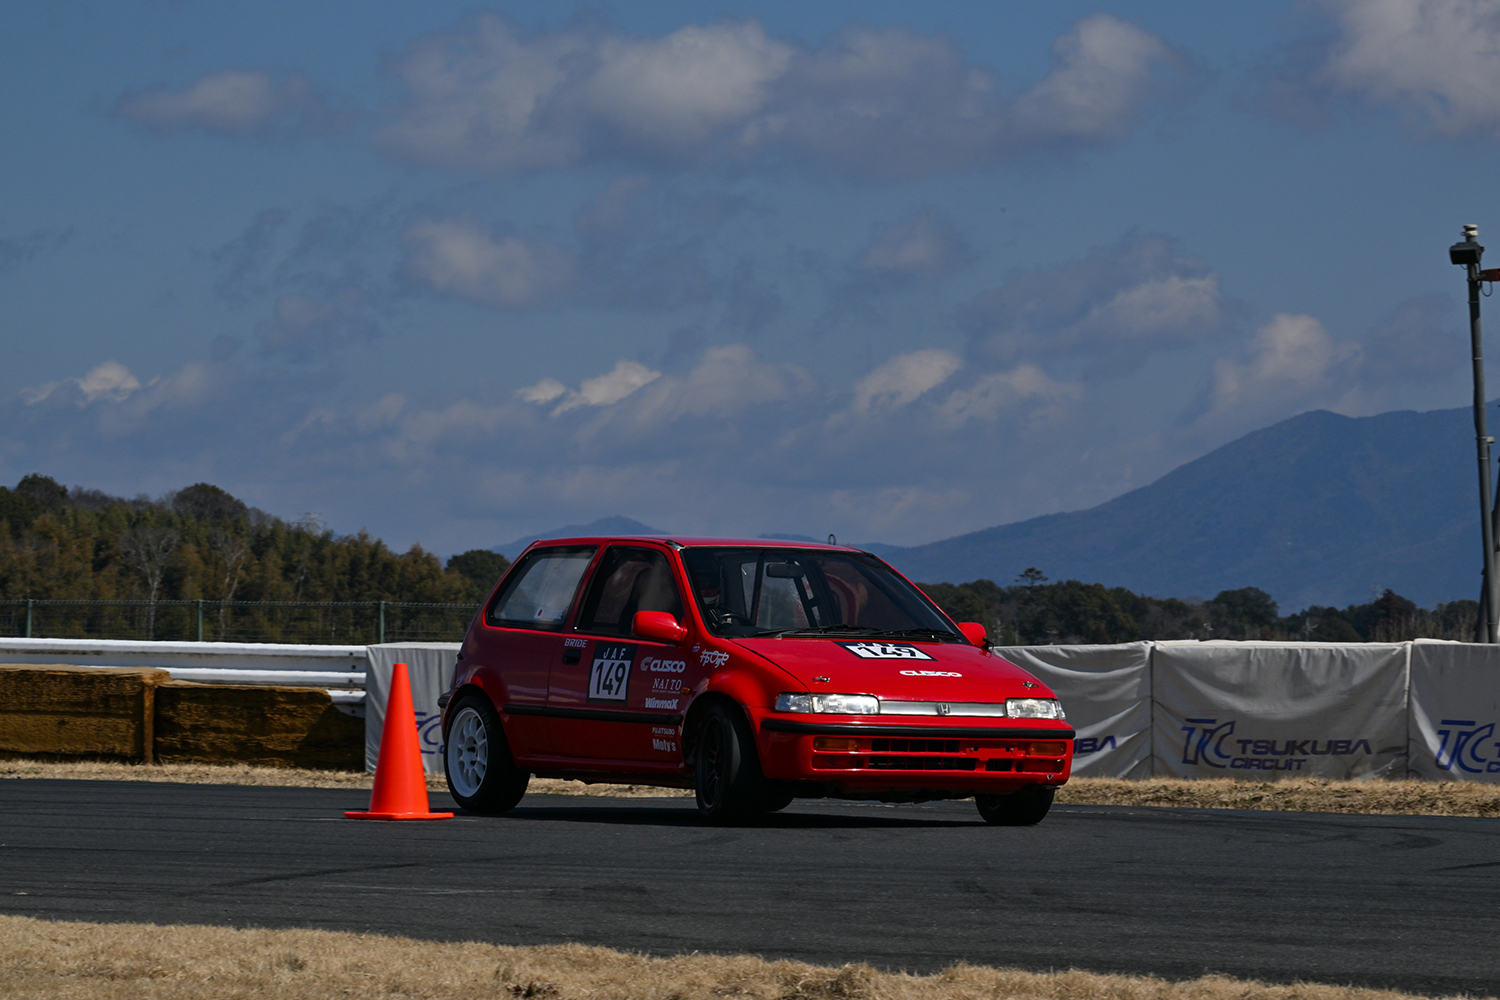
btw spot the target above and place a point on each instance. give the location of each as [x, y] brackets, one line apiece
[524, 638]
[616, 697]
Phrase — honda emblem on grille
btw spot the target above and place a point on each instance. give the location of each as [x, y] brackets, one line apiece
[944, 709]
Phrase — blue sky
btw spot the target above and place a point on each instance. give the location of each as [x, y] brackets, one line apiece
[453, 274]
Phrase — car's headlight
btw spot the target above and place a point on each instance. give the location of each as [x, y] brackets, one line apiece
[829, 704]
[1033, 708]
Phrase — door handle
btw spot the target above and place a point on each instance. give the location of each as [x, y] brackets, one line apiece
[572, 656]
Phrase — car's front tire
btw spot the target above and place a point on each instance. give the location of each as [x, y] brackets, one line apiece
[482, 777]
[727, 771]
[1024, 808]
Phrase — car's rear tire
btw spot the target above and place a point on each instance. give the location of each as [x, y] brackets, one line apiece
[482, 777]
[1024, 808]
[727, 771]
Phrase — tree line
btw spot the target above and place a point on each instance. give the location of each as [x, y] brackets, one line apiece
[202, 543]
[1034, 611]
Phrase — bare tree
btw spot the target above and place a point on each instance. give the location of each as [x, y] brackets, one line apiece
[147, 550]
[233, 551]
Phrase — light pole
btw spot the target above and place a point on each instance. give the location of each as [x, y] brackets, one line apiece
[1466, 254]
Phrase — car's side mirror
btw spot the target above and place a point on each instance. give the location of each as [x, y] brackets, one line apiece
[975, 633]
[657, 625]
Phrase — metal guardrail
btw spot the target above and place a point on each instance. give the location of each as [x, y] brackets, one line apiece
[319, 622]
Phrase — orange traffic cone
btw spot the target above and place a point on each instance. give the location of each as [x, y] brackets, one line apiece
[400, 786]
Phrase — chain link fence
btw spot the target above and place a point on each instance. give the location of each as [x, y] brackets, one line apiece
[324, 622]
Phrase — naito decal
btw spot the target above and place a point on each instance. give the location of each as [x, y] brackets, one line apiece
[885, 651]
[609, 677]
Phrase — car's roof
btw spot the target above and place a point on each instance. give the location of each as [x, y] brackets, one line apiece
[688, 541]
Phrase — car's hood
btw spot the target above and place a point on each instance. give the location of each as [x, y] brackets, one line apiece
[899, 671]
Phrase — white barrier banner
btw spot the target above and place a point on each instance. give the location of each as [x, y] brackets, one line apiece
[1106, 693]
[430, 667]
[1455, 710]
[1268, 710]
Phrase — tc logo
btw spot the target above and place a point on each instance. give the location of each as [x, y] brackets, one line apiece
[1462, 746]
[430, 732]
[1205, 742]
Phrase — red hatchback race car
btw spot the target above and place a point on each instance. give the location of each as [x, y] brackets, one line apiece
[753, 671]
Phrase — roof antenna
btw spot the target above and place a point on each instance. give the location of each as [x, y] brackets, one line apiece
[832, 539]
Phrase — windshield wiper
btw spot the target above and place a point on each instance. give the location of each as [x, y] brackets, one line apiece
[823, 630]
[863, 631]
[919, 633]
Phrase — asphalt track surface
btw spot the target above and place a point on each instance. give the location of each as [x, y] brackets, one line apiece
[1397, 902]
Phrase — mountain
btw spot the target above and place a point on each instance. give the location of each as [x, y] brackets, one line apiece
[1318, 509]
[604, 526]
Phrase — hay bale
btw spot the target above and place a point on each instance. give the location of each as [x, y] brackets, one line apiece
[242, 724]
[88, 713]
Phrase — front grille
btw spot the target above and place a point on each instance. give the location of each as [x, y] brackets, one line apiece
[914, 746]
[921, 763]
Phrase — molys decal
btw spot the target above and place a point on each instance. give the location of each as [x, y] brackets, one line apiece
[884, 650]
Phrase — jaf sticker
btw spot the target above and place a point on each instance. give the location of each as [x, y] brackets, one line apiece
[609, 677]
[885, 651]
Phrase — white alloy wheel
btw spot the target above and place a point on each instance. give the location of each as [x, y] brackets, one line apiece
[468, 752]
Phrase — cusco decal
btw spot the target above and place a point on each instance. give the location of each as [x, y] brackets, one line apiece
[609, 677]
[885, 651]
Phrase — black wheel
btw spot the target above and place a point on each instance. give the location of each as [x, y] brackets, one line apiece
[481, 774]
[729, 782]
[1023, 808]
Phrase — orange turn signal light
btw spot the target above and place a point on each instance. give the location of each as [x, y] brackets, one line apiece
[1049, 748]
[834, 743]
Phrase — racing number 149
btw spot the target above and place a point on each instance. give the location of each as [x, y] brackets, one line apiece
[609, 677]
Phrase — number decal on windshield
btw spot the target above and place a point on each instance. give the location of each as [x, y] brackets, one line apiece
[609, 677]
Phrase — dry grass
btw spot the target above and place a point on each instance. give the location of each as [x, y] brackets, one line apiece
[1391, 798]
[1394, 798]
[45, 960]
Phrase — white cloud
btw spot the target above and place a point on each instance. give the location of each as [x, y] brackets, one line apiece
[460, 257]
[625, 378]
[924, 247]
[992, 394]
[544, 391]
[232, 101]
[1292, 364]
[1104, 70]
[1436, 60]
[726, 381]
[869, 101]
[1117, 306]
[903, 378]
[110, 381]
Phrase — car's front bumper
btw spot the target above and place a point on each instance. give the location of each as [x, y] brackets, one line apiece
[872, 758]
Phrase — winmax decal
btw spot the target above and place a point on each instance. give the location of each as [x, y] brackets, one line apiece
[609, 677]
[885, 651]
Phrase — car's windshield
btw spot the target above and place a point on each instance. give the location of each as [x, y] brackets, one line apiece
[745, 591]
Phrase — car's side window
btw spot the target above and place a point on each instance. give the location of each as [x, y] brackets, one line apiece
[541, 590]
[628, 580]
